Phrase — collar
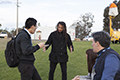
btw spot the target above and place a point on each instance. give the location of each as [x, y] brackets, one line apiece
[103, 50]
[27, 31]
[100, 51]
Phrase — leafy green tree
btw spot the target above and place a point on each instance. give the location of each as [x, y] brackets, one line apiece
[6, 30]
[115, 21]
[1, 30]
[13, 31]
[23, 27]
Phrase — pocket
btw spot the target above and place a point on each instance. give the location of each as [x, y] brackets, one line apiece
[63, 55]
[52, 55]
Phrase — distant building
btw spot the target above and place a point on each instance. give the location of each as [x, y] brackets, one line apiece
[42, 33]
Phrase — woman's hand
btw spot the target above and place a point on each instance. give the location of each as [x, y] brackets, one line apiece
[76, 77]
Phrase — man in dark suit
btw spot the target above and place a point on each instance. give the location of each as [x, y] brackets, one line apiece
[25, 51]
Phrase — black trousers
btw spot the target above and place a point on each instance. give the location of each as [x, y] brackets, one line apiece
[28, 72]
[63, 70]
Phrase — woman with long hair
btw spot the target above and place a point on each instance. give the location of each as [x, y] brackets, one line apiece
[91, 58]
[59, 40]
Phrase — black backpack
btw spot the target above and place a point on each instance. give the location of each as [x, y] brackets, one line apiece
[11, 56]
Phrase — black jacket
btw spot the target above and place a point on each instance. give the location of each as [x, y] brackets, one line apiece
[59, 46]
[24, 47]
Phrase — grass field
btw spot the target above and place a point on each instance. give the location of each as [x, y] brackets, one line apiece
[77, 64]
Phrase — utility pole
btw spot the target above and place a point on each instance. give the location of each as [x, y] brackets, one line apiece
[17, 19]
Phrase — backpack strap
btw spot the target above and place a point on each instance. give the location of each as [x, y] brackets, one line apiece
[16, 36]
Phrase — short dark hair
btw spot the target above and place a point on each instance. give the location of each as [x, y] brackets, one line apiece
[102, 37]
[29, 22]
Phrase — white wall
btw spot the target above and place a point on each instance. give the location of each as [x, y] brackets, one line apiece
[47, 30]
[71, 32]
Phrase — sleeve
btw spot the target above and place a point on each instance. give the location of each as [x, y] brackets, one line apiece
[69, 42]
[110, 68]
[49, 41]
[26, 46]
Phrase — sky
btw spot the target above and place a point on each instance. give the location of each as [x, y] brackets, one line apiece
[50, 12]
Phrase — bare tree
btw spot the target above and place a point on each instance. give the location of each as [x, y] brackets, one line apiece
[83, 25]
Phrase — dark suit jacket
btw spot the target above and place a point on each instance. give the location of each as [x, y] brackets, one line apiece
[24, 47]
[59, 46]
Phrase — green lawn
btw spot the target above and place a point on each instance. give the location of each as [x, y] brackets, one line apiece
[77, 64]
